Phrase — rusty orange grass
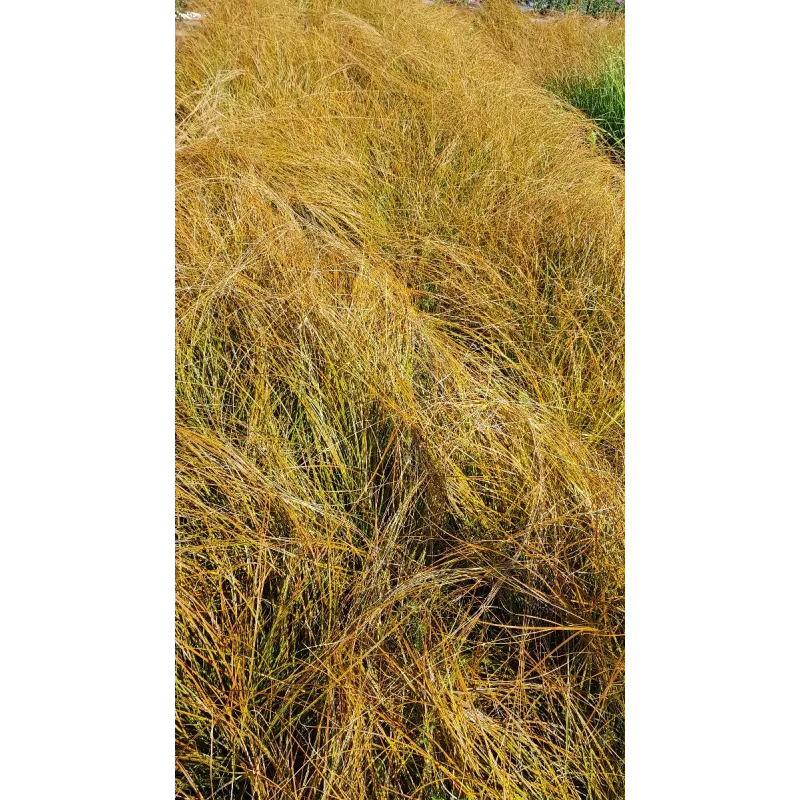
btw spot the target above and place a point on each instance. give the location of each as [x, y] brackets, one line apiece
[399, 271]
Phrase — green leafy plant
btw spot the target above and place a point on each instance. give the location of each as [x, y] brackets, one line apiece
[594, 7]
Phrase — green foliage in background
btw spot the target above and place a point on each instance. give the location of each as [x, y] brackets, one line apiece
[584, 6]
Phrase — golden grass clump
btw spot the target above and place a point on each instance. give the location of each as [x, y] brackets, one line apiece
[548, 52]
[399, 409]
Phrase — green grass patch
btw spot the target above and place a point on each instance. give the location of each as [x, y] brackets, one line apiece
[601, 96]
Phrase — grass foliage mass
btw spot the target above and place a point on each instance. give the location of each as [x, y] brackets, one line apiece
[601, 96]
[399, 407]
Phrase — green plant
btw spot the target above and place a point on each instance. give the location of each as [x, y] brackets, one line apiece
[594, 7]
[601, 96]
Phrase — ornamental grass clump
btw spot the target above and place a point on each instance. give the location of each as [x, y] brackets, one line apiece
[399, 411]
